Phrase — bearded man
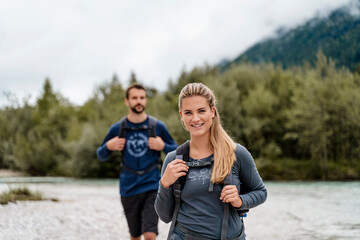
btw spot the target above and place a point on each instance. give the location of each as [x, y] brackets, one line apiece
[140, 138]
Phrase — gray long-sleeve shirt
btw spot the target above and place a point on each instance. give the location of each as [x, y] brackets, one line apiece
[202, 210]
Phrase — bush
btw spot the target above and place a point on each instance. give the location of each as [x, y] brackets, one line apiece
[19, 194]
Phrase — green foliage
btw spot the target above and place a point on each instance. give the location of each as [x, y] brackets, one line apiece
[298, 123]
[84, 162]
[33, 136]
[287, 169]
[165, 108]
[106, 105]
[323, 119]
[94, 119]
[228, 103]
[19, 194]
[133, 78]
[197, 74]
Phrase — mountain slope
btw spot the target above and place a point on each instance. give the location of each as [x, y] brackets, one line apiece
[337, 36]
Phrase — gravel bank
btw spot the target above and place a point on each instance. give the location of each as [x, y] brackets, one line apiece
[6, 173]
[93, 211]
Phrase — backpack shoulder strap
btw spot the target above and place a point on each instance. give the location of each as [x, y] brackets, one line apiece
[225, 220]
[123, 126]
[152, 126]
[182, 152]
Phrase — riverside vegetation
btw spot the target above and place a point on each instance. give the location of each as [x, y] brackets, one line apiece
[21, 194]
[301, 122]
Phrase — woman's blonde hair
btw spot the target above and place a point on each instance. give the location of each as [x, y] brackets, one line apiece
[220, 142]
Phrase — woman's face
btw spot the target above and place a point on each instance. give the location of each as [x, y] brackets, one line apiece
[197, 115]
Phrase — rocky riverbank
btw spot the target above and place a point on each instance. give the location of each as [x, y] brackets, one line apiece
[91, 210]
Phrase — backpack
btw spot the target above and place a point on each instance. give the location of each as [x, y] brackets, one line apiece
[151, 127]
[182, 152]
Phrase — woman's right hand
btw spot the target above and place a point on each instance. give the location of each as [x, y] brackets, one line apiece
[173, 171]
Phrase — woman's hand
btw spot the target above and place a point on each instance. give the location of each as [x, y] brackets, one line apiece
[230, 194]
[173, 171]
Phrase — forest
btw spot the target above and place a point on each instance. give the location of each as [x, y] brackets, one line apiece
[299, 122]
[336, 35]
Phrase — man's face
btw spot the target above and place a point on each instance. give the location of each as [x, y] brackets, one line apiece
[136, 101]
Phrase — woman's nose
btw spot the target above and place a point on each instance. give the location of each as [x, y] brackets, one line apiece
[195, 117]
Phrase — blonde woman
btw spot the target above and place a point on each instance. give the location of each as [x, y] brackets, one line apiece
[220, 177]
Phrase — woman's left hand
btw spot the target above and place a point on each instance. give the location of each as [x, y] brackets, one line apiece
[230, 194]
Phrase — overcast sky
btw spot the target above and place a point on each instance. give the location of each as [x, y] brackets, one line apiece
[79, 44]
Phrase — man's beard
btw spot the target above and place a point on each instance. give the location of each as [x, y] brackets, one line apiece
[134, 110]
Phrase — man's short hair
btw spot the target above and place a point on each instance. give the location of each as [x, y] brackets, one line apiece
[134, 85]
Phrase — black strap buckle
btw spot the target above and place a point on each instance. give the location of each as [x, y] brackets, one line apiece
[177, 193]
[140, 172]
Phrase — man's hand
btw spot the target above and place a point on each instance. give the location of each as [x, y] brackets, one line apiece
[116, 144]
[156, 143]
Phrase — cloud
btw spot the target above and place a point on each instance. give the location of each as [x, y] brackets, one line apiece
[79, 44]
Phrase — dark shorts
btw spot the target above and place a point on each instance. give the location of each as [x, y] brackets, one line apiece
[140, 213]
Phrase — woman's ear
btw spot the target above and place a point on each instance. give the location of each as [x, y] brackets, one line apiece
[180, 114]
[213, 110]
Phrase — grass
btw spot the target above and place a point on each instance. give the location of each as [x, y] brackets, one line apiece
[21, 194]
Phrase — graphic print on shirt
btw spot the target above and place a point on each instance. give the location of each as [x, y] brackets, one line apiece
[137, 144]
[202, 175]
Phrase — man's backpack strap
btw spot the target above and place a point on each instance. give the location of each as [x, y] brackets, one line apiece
[152, 126]
[140, 172]
[182, 152]
[123, 126]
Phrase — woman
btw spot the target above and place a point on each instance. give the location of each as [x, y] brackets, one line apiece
[205, 197]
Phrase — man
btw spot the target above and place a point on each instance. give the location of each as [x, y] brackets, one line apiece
[139, 180]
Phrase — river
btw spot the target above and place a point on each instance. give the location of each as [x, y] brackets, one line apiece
[91, 209]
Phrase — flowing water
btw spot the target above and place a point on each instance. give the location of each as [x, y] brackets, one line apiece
[90, 209]
[307, 210]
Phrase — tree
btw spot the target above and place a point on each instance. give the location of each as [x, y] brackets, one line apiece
[325, 117]
[133, 79]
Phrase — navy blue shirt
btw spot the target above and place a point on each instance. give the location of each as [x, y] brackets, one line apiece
[137, 156]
